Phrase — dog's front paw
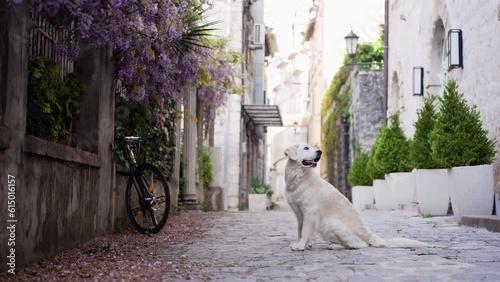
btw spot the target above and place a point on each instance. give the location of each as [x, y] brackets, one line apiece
[297, 247]
[335, 247]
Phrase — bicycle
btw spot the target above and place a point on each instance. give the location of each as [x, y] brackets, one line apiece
[148, 203]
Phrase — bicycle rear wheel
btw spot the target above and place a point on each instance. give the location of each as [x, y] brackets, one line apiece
[148, 214]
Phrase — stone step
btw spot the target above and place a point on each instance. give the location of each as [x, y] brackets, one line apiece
[490, 222]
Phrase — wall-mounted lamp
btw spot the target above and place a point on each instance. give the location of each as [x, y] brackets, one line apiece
[418, 81]
[455, 47]
[295, 127]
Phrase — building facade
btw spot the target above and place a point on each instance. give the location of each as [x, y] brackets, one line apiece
[418, 37]
[238, 149]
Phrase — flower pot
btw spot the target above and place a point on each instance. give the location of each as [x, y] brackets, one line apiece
[383, 196]
[497, 204]
[362, 196]
[471, 190]
[431, 186]
[402, 186]
[257, 202]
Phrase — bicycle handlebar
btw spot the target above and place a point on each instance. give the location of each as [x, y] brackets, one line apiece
[136, 138]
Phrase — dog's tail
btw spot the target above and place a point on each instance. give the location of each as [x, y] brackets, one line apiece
[404, 243]
[379, 242]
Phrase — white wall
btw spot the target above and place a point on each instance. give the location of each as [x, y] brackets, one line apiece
[412, 42]
[227, 127]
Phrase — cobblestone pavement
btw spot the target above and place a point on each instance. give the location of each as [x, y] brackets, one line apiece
[254, 246]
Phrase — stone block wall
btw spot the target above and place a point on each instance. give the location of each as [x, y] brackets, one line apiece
[63, 194]
[366, 109]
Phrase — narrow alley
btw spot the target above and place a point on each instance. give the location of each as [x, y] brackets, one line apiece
[254, 246]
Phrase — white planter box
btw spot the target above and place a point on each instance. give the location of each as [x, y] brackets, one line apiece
[362, 196]
[383, 195]
[257, 202]
[402, 186]
[497, 204]
[431, 186]
[471, 190]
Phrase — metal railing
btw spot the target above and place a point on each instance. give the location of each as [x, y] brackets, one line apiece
[45, 39]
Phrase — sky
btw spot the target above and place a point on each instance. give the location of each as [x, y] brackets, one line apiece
[364, 16]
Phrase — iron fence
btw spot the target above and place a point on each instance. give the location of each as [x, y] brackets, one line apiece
[47, 40]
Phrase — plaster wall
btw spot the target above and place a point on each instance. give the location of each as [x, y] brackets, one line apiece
[316, 80]
[412, 42]
[227, 125]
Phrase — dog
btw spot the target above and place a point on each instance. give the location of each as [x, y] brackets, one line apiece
[320, 207]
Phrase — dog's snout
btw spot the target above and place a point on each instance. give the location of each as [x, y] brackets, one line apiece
[319, 152]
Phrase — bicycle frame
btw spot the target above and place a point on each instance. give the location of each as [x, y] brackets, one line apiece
[148, 180]
[145, 195]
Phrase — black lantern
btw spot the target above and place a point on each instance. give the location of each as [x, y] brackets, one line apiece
[418, 81]
[455, 48]
[351, 41]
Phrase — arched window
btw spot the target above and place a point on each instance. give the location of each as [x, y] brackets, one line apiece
[444, 63]
[438, 70]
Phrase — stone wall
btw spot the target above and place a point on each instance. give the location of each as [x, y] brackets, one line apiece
[63, 194]
[366, 108]
[365, 119]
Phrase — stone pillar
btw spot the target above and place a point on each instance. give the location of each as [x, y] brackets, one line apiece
[200, 189]
[174, 182]
[190, 197]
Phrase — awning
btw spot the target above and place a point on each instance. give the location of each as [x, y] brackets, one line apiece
[265, 115]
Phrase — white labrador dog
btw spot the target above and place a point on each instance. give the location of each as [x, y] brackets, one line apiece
[320, 207]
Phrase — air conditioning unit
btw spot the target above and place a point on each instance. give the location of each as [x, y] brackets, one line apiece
[259, 33]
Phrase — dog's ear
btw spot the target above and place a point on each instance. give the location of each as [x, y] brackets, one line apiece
[291, 152]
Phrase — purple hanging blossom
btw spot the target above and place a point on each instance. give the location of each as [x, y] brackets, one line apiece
[141, 34]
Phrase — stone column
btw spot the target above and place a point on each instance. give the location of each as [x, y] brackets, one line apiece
[190, 197]
[174, 182]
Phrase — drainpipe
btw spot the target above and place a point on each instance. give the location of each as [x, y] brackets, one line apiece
[345, 125]
[386, 62]
[226, 157]
[242, 151]
[259, 58]
[264, 159]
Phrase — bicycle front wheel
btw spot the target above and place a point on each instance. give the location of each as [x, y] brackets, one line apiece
[148, 200]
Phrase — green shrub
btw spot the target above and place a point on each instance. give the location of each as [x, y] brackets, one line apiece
[420, 149]
[139, 119]
[373, 171]
[458, 138]
[208, 174]
[391, 150]
[358, 174]
[260, 188]
[333, 91]
[52, 102]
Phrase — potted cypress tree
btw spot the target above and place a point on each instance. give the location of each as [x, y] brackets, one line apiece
[392, 159]
[381, 191]
[361, 182]
[459, 142]
[431, 181]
